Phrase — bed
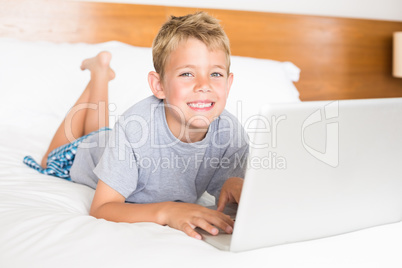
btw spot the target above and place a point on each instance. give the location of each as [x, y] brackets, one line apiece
[44, 221]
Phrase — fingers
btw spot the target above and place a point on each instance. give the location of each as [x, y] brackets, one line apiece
[210, 222]
[187, 229]
[212, 225]
[230, 192]
[222, 201]
[186, 217]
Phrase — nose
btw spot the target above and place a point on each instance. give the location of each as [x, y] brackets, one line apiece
[202, 84]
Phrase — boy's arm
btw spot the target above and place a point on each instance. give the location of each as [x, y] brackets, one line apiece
[110, 205]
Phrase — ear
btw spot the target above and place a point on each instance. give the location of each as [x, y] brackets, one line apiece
[230, 81]
[155, 84]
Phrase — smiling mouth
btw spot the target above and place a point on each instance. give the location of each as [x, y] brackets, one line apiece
[200, 105]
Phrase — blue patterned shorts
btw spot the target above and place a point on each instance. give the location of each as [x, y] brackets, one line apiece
[60, 160]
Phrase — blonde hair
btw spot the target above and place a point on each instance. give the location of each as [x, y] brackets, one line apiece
[200, 26]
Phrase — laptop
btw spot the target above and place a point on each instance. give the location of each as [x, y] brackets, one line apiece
[318, 169]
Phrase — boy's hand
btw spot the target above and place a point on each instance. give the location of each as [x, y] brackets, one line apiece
[187, 216]
[230, 192]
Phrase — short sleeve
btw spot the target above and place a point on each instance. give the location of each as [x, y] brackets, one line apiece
[117, 166]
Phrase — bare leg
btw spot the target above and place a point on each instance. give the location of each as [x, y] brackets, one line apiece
[90, 112]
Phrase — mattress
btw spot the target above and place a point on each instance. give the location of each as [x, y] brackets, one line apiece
[45, 222]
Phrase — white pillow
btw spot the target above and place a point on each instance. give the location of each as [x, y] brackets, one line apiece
[45, 78]
[257, 82]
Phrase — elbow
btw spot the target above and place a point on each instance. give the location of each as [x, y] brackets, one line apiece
[92, 212]
[95, 212]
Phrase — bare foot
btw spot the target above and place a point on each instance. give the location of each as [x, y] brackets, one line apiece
[99, 64]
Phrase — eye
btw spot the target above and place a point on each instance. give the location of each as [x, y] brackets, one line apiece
[186, 75]
[216, 74]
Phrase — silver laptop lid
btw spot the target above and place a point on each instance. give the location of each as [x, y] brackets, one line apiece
[318, 169]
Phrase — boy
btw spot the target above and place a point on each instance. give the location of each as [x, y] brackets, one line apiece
[167, 150]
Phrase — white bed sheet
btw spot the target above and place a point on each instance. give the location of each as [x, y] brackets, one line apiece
[44, 221]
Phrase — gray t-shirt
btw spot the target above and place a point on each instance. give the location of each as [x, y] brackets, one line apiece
[143, 161]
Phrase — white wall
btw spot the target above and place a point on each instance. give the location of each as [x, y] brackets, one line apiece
[369, 9]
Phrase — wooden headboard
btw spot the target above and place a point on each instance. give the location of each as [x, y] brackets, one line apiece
[339, 58]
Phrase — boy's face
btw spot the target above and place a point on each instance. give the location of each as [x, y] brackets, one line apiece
[195, 87]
